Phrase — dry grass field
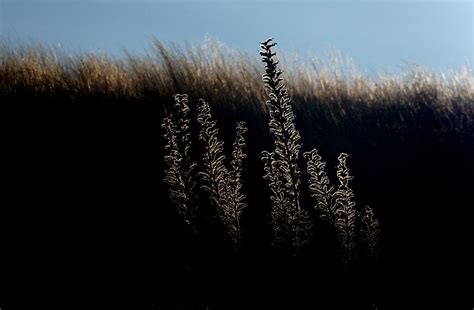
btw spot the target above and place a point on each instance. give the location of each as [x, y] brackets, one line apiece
[263, 183]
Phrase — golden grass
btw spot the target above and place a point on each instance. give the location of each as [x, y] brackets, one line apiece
[322, 92]
[213, 70]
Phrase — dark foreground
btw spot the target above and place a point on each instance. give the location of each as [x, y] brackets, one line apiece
[84, 202]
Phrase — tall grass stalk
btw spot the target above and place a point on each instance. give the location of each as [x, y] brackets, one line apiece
[180, 168]
[370, 231]
[291, 223]
[345, 212]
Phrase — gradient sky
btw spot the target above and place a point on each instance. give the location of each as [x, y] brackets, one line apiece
[378, 35]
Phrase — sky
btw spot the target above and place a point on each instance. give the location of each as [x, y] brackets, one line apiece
[378, 35]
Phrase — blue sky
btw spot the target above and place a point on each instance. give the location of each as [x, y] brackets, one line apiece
[378, 35]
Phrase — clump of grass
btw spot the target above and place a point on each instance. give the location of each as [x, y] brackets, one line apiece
[180, 168]
[337, 207]
[291, 223]
[223, 185]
